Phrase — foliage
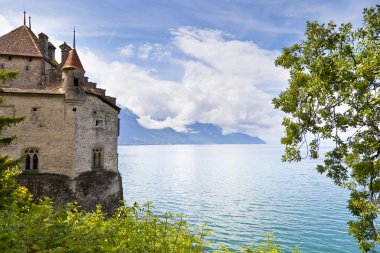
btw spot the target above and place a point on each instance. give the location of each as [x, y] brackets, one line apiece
[7, 121]
[334, 94]
[268, 246]
[132, 229]
[41, 228]
[9, 189]
[6, 75]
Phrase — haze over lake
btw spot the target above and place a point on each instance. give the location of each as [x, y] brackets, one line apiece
[240, 191]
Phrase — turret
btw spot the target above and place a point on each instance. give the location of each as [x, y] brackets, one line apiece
[73, 78]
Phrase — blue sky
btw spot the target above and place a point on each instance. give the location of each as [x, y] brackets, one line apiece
[176, 62]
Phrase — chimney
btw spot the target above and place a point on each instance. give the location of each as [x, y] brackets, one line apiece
[51, 51]
[65, 49]
[43, 38]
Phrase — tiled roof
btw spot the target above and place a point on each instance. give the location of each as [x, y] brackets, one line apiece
[21, 41]
[73, 61]
[108, 100]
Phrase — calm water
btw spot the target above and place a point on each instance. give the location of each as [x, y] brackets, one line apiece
[240, 191]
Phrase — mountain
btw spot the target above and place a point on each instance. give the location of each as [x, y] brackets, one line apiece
[131, 132]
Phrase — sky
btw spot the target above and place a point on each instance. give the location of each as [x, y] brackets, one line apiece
[176, 62]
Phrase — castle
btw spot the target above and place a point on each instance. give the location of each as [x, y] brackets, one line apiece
[69, 135]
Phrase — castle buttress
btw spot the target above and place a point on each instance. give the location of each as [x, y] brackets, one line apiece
[69, 135]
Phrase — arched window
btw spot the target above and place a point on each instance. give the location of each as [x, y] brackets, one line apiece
[97, 158]
[31, 160]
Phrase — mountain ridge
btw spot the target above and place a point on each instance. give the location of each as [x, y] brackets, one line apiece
[132, 133]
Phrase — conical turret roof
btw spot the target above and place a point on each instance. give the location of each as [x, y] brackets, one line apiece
[73, 61]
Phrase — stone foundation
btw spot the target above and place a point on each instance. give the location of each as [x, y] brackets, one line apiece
[88, 189]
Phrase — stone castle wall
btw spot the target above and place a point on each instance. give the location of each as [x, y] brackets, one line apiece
[34, 73]
[96, 127]
[66, 135]
[30, 69]
[48, 127]
[88, 189]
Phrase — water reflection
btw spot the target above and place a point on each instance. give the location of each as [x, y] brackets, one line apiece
[240, 191]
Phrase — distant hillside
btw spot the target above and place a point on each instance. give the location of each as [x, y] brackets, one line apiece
[131, 132]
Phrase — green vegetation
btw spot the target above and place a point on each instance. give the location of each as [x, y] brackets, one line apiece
[334, 94]
[29, 227]
[41, 228]
[9, 189]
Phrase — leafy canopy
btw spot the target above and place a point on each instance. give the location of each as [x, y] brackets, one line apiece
[334, 94]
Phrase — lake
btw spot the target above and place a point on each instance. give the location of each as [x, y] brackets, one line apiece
[240, 191]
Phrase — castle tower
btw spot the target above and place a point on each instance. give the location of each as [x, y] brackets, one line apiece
[69, 135]
[73, 79]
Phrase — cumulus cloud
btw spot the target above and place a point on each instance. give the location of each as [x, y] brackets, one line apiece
[226, 82]
[153, 51]
[144, 51]
[127, 50]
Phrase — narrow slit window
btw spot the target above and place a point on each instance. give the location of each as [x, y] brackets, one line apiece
[94, 159]
[27, 162]
[76, 82]
[35, 162]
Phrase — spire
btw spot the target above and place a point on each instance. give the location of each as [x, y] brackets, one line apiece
[30, 23]
[24, 17]
[74, 39]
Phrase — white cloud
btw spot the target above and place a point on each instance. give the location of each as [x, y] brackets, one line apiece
[5, 26]
[236, 58]
[223, 82]
[127, 50]
[153, 51]
[144, 51]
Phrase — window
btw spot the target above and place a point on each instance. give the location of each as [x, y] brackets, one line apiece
[76, 82]
[97, 158]
[99, 123]
[31, 160]
[26, 67]
[30, 59]
[9, 57]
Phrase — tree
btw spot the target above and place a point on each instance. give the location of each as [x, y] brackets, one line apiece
[10, 190]
[334, 94]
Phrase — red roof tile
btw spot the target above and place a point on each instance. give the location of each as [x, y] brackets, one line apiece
[73, 61]
[21, 41]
